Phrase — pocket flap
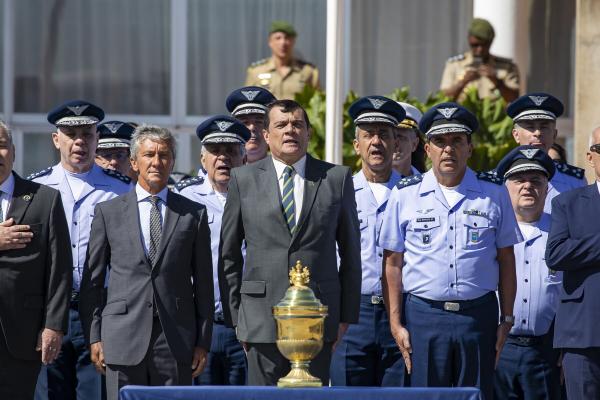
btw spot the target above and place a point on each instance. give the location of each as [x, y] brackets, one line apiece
[253, 287]
[476, 222]
[425, 223]
[577, 294]
[114, 308]
[33, 302]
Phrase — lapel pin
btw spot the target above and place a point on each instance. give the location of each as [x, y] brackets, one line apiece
[27, 197]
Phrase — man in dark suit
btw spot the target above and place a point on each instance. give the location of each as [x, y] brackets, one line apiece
[574, 248]
[35, 276]
[153, 324]
[288, 207]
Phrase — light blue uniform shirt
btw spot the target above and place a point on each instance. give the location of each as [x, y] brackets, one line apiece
[370, 218]
[562, 182]
[99, 186]
[449, 253]
[537, 286]
[203, 193]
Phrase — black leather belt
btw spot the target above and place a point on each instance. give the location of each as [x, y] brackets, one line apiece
[372, 298]
[455, 305]
[74, 296]
[219, 318]
[524, 340]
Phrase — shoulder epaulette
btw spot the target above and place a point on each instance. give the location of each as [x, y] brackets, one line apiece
[409, 181]
[259, 62]
[195, 180]
[570, 170]
[39, 173]
[457, 57]
[117, 175]
[490, 176]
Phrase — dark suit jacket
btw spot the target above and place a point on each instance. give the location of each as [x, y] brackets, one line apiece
[180, 281]
[253, 213]
[574, 247]
[36, 281]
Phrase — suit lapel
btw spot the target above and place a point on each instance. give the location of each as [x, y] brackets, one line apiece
[22, 197]
[171, 218]
[132, 215]
[312, 180]
[269, 185]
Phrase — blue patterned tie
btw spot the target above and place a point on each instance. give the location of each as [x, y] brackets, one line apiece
[287, 198]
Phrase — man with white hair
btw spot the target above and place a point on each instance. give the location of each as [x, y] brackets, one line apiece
[407, 134]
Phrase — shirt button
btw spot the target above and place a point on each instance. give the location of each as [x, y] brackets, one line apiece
[526, 280]
[524, 300]
[451, 228]
[451, 265]
[451, 247]
[426, 226]
[149, 305]
[475, 223]
[75, 223]
[73, 246]
[523, 321]
[450, 212]
[452, 285]
[526, 262]
[380, 255]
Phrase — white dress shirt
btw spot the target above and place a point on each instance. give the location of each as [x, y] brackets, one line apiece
[7, 187]
[299, 174]
[144, 208]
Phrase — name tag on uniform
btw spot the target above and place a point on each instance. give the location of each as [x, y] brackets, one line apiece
[430, 219]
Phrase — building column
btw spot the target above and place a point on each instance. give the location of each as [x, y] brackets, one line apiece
[587, 86]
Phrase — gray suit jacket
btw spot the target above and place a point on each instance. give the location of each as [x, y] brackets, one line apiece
[253, 213]
[36, 281]
[180, 281]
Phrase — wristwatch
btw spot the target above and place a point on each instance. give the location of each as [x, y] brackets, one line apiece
[510, 319]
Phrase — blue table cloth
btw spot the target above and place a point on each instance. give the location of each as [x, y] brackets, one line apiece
[274, 393]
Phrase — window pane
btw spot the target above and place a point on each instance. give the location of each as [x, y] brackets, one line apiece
[38, 152]
[115, 53]
[225, 36]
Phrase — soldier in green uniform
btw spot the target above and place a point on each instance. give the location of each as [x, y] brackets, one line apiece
[493, 76]
[282, 74]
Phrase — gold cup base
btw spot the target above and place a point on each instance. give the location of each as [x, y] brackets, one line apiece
[299, 377]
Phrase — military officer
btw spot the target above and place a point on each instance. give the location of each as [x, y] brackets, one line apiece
[408, 134]
[492, 76]
[113, 147]
[448, 237]
[368, 354]
[82, 185]
[534, 116]
[223, 139]
[249, 106]
[282, 73]
[527, 365]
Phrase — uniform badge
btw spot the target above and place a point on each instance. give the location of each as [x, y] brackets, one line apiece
[447, 112]
[78, 110]
[223, 125]
[27, 197]
[250, 94]
[538, 100]
[264, 78]
[529, 153]
[113, 126]
[425, 211]
[377, 103]
[426, 238]
[474, 236]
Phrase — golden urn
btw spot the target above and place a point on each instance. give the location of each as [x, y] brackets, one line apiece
[300, 320]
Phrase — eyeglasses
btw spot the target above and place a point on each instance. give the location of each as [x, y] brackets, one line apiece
[595, 148]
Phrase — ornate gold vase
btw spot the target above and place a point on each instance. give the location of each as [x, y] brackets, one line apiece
[300, 319]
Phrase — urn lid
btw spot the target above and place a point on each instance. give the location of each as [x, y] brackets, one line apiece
[299, 297]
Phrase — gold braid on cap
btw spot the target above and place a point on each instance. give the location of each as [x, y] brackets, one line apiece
[408, 123]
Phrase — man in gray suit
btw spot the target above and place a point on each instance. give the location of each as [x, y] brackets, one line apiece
[153, 325]
[288, 207]
[35, 276]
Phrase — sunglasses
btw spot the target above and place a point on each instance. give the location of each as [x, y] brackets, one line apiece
[595, 148]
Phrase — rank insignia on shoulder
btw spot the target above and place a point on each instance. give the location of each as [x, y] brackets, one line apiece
[195, 180]
[457, 57]
[259, 62]
[409, 181]
[570, 170]
[489, 176]
[39, 173]
[117, 175]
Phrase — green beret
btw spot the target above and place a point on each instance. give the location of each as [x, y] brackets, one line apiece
[482, 29]
[283, 26]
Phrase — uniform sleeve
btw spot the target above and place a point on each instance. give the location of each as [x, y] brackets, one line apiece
[508, 232]
[448, 76]
[391, 235]
[512, 80]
